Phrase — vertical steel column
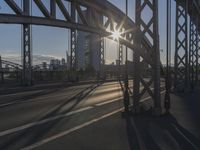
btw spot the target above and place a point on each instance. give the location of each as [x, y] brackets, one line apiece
[181, 49]
[136, 61]
[167, 101]
[120, 58]
[198, 58]
[53, 8]
[1, 71]
[27, 52]
[193, 55]
[150, 28]
[156, 60]
[197, 49]
[126, 81]
[102, 55]
[73, 62]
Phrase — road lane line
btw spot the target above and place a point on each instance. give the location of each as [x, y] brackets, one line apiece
[108, 102]
[38, 100]
[29, 125]
[59, 135]
[42, 142]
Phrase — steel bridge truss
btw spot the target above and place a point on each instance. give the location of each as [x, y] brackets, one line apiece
[141, 37]
[150, 84]
[193, 49]
[186, 58]
[181, 49]
[102, 59]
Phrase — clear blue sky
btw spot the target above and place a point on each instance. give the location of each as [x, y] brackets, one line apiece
[51, 41]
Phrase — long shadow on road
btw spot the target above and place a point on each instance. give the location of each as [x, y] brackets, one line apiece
[34, 134]
[157, 133]
[179, 130]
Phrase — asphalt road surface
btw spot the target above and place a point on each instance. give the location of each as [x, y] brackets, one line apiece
[31, 119]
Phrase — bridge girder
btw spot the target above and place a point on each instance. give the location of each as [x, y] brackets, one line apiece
[147, 50]
[187, 57]
[139, 78]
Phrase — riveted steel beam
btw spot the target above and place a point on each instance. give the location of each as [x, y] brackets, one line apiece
[14, 7]
[140, 65]
[26, 49]
[181, 48]
[73, 61]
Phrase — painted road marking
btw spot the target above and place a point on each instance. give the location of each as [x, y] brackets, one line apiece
[108, 102]
[59, 135]
[42, 142]
[29, 125]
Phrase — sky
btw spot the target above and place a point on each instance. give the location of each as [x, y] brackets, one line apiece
[51, 42]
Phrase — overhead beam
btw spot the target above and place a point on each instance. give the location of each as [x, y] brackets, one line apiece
[42, 8]
[14, 7]
[64, 10]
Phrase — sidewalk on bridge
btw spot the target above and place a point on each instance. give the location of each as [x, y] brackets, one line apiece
[180, 130]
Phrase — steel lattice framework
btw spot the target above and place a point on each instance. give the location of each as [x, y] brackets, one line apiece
[192, 54]
[140, 36]
[145, 50]
[73, 39]
[102, 53]
[27, 56]
[198, 58]
[149, 29]
[181, 50]
[187, 58]
[193, 50]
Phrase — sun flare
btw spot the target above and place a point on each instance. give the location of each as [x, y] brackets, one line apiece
[116, 35]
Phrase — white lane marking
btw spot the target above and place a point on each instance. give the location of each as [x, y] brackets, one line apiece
[107, 102]
[21, 93]
[29, 125]
[38, 100]
[59, 135]
[121, 98]
[42, 142]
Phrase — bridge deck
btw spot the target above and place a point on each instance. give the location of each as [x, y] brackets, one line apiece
[177, 131]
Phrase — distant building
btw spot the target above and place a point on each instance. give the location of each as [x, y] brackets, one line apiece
[88, 47]
[63, 61]
[44, 65]
[55, 64]
[117, 62]
[0, 63]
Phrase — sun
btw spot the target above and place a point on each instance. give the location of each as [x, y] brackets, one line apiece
[116, 35]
